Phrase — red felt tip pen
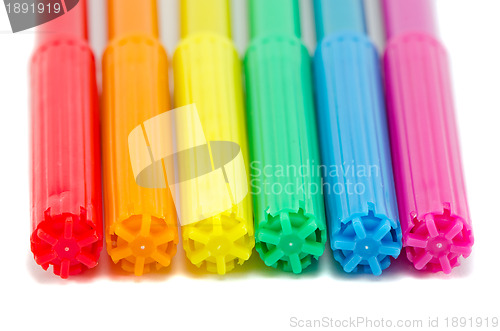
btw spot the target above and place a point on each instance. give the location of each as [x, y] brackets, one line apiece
[66, 206]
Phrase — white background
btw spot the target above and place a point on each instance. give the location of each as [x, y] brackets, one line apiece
[253, 297]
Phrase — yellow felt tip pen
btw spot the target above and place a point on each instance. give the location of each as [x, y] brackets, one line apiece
[207, 73]
[141, 223]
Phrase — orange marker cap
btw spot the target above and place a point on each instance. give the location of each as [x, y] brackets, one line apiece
[141, 222]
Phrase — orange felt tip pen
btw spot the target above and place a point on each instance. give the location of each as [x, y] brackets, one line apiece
[140, 222]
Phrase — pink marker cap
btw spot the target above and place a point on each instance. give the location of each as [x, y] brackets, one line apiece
[426, 157]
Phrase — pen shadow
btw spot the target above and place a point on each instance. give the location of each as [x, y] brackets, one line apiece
[251, 268]
[400, 268]
[182, 267]
[47, 277]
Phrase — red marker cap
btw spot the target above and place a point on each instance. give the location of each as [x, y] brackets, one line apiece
[66, 206]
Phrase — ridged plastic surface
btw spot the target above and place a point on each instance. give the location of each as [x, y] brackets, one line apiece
[360, 195]
[141, 223]
[290, 223]
[66, 221]
[427, 165]
[207, 72]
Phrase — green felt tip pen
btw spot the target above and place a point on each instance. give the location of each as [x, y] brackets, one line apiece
[290, 226]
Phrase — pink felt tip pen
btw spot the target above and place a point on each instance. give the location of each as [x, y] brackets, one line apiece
[427, 167]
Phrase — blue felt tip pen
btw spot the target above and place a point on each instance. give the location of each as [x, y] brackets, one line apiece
[359, 188]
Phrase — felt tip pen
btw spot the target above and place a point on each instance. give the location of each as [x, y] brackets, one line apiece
[361, 202]
[427, 165]
[66, 206]
[290, 224]
[141, 222]
[207, 73]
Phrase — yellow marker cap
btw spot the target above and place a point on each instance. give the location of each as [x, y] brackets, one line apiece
[207, 73]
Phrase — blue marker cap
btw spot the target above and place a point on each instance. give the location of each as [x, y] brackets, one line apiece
[359, 189]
